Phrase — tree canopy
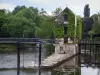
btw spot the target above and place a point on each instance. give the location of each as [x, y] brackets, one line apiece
[30, 22]
[26, 22]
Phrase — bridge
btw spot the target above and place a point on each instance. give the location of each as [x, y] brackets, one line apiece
[26, 40]
[19, 41]
[50, 62]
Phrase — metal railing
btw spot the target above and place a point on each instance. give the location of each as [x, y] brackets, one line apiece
[89, 53]
[19, 41]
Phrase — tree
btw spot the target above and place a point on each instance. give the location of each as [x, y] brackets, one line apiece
[45, 28]
[43, 12]
[96, 23]
[86, 11]
[79, 28]
[57, 11]
[17, 26]
[3, 20]
[17, 9]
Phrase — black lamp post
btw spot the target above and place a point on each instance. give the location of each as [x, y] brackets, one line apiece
[65, 28]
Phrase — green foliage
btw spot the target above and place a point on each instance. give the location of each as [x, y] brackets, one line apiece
[17, 9]
[79, 28]
[30, 22]
[17, 26]
[4, 48]
[71, 23]
[96, 23]
[59, 30]
[45, 28]
[96, 27]
[57, 11]
[20, 23]
[54, 72]
[2, 21]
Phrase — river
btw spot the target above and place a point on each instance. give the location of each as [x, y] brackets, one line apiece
[8, 65]
[9, 61]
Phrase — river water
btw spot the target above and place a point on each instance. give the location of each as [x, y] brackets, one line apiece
[8, 65]
[9, 61]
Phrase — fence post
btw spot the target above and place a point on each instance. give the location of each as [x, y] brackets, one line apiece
[79, 57]
[18, 58]
[40, 58]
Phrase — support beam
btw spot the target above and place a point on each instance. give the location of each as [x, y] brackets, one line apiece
[79, 57]
[18, 58]
[40, 59]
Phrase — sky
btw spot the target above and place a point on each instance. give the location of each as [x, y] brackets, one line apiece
[77, 6]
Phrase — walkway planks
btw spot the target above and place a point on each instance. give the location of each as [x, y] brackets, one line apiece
[56, 60]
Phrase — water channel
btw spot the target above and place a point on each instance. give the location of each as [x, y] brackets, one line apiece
[8, 64]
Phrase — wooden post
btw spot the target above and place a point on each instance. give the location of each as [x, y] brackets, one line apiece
[79, 57]
[85, 46]
[18, 58]
[95, 54]
[90, 55]
[40, 58]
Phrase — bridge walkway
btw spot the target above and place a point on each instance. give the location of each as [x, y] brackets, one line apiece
[56, 60]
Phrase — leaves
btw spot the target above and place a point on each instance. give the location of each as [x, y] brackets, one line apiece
[30, 22]
[96, 23]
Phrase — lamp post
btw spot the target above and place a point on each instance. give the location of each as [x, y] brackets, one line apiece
[75, 29]
[65, 28]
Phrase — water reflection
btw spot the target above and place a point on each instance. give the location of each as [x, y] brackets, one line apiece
[76, 71]
[69, 68]
[90, 71]
[23, 72]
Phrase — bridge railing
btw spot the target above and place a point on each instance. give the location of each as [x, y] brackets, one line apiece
[19, 41]
[27, 40]
[89, 52]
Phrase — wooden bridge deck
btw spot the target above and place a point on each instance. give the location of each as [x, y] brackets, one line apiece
[56, 60]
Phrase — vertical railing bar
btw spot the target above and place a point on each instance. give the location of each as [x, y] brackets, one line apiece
[18, 58]
[79, 57]
[99, 51]
[40, 45]
[90, 53]
[95, 53]
[85, 53]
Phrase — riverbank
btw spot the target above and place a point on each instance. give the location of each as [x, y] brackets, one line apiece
[4, 48]
[11, 48]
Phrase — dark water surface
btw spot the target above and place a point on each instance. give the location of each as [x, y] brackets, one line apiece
[84, 71]
[23, 72]
[9, 61]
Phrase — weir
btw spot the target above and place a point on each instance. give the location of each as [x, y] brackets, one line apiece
[50, 62]
[68, 55]
[19, 41]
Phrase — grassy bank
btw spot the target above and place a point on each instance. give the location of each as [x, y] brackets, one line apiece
[4, 48]
[9, 48]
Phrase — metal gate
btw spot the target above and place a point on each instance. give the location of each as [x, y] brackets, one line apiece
[89, 53]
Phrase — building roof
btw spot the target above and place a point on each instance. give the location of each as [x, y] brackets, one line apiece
[60, 18]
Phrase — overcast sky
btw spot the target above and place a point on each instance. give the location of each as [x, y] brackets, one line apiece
[77, 6]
